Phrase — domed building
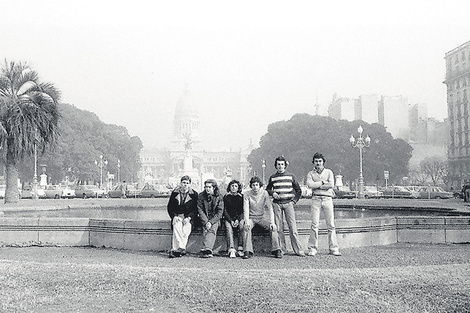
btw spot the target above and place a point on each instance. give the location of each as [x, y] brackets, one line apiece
[187, 157]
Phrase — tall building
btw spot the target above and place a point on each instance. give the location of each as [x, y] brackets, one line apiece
[342, 109]
[369, 108]
[457, 81]
[393, 114]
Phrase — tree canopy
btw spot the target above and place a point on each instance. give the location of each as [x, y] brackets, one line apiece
[303, 135]
[83, 138]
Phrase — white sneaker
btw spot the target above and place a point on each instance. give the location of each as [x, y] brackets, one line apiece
[335, 253]
[232, 253]
[312, 252]
[240, 253]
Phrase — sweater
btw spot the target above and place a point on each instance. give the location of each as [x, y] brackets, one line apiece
[286, 186]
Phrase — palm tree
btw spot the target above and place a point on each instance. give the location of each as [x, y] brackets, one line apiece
[28, 119]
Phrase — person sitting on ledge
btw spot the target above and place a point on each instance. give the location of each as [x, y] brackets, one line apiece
[254, 202]
[182, 208]
[210, 206]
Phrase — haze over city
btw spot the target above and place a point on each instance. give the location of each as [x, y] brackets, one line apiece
[246, 64]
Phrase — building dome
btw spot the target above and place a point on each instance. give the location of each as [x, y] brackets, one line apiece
[184, 106]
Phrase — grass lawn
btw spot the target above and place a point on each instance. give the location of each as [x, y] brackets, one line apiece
[393, 278]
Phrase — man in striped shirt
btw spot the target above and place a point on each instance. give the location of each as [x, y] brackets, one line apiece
[285, 190]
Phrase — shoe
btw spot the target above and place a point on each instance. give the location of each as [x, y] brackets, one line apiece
[181, 251]
[247, 255]
[301, 253]
[174, 254]
[240, 253]
[232, 253]
[278, 254]
[335, 253]
[206, 254]
[312, 252]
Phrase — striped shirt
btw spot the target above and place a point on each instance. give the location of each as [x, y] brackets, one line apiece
[286, 186]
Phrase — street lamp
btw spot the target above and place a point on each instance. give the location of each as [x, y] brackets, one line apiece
[360, 143]
[101, 163]
[35, 177]
[119, 171]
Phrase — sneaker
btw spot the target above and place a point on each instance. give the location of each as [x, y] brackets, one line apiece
[240, 253]
[247, 255]
[278, 254]
[335, 253]
[312, 252]
[232, 254]
[301, 253]
[181, 251]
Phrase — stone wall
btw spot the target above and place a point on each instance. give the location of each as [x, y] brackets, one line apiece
[156, 235]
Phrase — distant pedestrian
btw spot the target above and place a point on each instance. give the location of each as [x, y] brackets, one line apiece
[285, 190]
[321, 180]
[233, 214]
[182, 208]
[210, 205]
[255, 202]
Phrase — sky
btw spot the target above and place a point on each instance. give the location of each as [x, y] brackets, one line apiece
[247, 64]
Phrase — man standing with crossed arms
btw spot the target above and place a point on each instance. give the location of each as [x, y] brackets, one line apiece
[321, 180]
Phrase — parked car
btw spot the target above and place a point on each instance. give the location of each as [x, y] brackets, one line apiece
[133, 192]
[88, 191]
[118, 191]
[53, 192]
[344, 192]
[27, 192]
[399, 192]
[150, 191]
[434, 192]
[68, 192]
[372, 192]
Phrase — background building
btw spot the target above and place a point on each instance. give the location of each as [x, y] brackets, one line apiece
[187, 157]
[457, 80]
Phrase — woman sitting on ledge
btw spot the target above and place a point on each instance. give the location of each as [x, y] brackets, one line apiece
[182, 208]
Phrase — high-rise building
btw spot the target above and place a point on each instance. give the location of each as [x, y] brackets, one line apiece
[393, 114]
[369, 108]
[343, 109]
[457, 81]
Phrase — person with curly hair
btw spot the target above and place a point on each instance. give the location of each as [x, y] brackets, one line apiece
[255, 201]
[233, 214]
[210, 206]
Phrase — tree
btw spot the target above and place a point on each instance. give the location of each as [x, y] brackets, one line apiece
[435, 168]
[303, 135]
[83, 138]
[29, 117]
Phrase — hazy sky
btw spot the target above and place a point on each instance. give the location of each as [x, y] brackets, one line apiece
[247, 63]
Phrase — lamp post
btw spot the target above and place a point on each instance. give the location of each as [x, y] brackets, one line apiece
[119, 171]
[360, 143]
[263, 166]
[35, 177]
[101, 163]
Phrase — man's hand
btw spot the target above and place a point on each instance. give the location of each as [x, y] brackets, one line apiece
[235, 223]
[176, 219]
[273, 226]
[247, 225]
[186, 220]
[275, 195]
[208, 225]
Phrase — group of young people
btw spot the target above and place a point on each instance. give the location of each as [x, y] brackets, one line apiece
[241, 211]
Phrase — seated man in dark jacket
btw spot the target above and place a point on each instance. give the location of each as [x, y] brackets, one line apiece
[182, 208]
[210, 206]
